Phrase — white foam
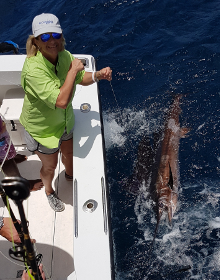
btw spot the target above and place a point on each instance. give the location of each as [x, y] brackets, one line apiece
[201, 126]
[128, 125]
[175, 233]
[113, 134]
[215, 223]
[173, 242]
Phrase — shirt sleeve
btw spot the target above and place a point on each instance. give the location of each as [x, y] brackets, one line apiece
[79, 75]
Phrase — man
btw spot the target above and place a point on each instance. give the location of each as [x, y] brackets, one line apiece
[9, 158]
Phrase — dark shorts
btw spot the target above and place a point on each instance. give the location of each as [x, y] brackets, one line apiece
[33, 145]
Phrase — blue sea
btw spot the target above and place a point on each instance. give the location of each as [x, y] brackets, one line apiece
[156, 48]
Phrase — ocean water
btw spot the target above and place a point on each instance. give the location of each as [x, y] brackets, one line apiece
[156, 49]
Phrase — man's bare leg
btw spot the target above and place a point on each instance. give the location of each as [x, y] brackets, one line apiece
[11, 170]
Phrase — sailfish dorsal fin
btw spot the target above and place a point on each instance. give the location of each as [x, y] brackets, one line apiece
[170, 183]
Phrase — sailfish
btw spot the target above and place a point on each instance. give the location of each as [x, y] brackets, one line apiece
[157, 167]
[167, 179]
[157, 164]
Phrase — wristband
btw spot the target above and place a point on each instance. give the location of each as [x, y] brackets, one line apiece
[93, 73]
[96, 79]
[1, 222]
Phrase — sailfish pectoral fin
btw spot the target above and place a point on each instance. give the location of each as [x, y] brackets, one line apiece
[170, 183]
[184, 131]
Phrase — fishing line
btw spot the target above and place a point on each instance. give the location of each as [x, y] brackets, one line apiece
[11, 83]
[119, 110]
[54, 226]
[10, 260]
[121, 117]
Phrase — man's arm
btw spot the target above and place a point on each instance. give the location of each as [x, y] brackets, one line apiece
[8, 230]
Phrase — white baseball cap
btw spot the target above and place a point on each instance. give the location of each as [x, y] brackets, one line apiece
[45, 23]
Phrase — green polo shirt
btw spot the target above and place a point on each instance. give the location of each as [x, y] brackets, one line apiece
[41, 83]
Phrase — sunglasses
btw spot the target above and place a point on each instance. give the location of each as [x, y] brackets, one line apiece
[45, 37]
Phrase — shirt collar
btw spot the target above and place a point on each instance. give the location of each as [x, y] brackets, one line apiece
[45, 61]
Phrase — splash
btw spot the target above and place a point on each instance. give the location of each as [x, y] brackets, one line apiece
[192, 240]
[126, 127]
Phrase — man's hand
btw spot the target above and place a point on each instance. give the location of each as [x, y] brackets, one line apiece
[25, 275]
[8, 230]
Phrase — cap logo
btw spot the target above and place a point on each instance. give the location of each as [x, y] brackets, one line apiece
[46, 21]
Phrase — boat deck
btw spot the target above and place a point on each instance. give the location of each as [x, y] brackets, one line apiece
[53, 231]
[75, 243]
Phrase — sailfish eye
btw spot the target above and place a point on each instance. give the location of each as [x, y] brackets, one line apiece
[160, 204]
